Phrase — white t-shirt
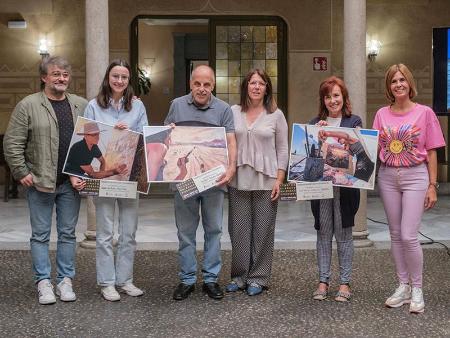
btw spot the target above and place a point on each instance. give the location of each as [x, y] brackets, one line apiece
[334, 121]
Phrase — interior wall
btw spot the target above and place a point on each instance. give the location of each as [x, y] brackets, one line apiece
[157, 42]
[315, 28]
[61, 22]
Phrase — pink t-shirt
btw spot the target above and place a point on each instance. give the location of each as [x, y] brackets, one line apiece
[406, 137]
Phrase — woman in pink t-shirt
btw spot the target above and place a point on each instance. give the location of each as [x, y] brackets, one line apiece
[409, 136]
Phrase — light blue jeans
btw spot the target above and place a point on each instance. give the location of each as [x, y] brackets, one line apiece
[67, 202]
[120, 272]
[187, 217]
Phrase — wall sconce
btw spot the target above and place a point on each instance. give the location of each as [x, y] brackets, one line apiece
[43, 48]
[373, 49]
[148, 66]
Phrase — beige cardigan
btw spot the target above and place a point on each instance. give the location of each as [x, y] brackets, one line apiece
[262, 149]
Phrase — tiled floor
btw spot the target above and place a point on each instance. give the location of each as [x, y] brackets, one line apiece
[157, 226]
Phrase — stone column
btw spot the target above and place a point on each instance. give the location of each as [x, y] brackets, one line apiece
[355, 79]
[97, 60]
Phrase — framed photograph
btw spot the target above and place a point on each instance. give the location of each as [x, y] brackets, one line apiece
[344, 156]
[99, 151]
[180, 153]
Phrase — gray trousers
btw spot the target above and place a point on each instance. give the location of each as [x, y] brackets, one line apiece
[331, 224]
[251, 224]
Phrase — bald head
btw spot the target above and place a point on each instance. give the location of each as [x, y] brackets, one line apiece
[202, 84]
[203, 70]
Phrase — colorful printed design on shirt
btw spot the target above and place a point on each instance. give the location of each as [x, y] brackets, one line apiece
[399, 145]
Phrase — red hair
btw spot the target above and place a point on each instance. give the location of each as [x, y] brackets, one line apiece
[326, 87]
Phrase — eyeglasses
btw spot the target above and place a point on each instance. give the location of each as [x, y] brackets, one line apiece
[57, 75]
[257, 83]
[117, 77]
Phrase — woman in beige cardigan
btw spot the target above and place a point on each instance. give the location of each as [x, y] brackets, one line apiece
[262, 141]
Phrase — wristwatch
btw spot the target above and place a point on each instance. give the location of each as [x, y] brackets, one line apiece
[435, 185]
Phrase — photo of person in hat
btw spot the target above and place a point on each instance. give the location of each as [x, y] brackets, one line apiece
[81, 154]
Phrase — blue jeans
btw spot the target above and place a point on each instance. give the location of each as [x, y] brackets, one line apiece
[119, 272]
[187, 218]
[67, 202]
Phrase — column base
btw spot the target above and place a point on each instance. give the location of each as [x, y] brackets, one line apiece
[360, 239]
[89, 241]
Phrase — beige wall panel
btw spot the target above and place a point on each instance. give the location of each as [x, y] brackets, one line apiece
[26, 6]
[7, 101]
[304, 87]
[16, 85]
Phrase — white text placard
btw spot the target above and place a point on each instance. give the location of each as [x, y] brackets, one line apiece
[117, 189]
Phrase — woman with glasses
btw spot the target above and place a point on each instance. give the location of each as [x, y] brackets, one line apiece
[262, 143]
[115, 105]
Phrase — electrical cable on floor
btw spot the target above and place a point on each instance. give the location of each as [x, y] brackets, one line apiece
[431, 240]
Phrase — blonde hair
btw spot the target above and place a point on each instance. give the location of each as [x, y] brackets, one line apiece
[408, 76]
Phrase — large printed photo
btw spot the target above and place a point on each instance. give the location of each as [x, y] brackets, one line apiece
[179, 153]
[345, 156]
[100, 151]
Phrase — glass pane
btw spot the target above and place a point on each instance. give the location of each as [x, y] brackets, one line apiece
[221, 34]
[246, 66]
[271, 34]
[259, 34]
[246, 51]
[234, 99]
[271, 67]
[221, 84]
[239, 49]
[223, 97]
[234, 51]
[221, 51]
[234, 68]
[234, 84]
[234, 33]
[246, 33]
[271, 50]
[259, 51]
[274, 80]
[222, 68]
[261, 64]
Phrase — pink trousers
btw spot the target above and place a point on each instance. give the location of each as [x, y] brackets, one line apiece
[403, 192]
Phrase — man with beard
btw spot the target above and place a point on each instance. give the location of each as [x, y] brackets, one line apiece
[35, 146]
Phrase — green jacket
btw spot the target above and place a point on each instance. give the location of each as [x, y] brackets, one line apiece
[31, 140]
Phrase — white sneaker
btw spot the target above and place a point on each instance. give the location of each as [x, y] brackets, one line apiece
[131, 290]
[64, 290]
[110, 293]
[417, 304]
[402, 295]
[45, 290]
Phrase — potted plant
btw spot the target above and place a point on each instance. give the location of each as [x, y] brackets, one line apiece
[144, 83]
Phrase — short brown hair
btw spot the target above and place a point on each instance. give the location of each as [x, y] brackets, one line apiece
[54, 61]
[269, 101]
[408, 76]
[325, 89]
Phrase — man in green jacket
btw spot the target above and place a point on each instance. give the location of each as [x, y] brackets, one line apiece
[35, 146]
